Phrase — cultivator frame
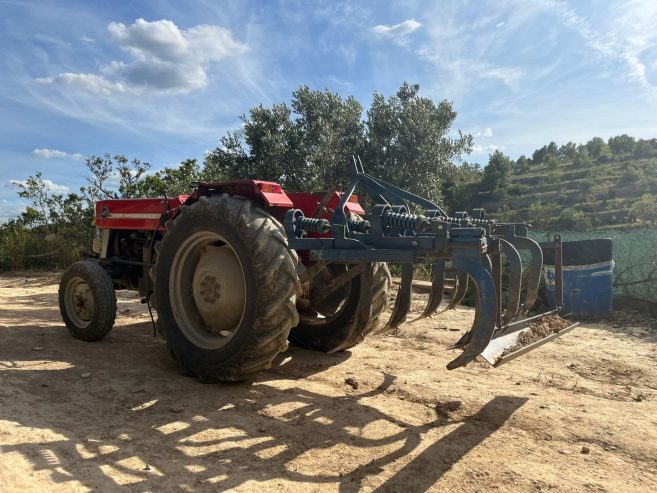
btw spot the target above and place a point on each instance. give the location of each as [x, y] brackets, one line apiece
[394, 232]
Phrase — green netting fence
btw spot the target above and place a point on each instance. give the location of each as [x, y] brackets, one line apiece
[634, 253]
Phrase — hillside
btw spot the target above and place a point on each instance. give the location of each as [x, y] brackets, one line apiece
[561, 193]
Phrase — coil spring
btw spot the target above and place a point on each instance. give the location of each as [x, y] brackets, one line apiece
[314, 225]
[456, 220]
[401, 221]
[358, 225]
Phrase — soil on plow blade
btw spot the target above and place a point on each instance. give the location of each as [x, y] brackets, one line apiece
[577, 414]
[543, 327]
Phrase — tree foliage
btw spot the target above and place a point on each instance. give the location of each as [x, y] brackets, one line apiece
[551, 162]
[621, 144]
[57, 228]
[405, 139]
[643, 149]
[645, 210]
[496, 176]
[596, 147]
[54, 229]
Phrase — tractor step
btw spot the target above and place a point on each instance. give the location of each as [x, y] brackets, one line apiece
[524, 336]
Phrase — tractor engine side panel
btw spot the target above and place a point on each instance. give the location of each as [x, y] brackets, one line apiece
[134, 214]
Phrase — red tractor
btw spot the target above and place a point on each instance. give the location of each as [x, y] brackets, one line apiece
[238, 268]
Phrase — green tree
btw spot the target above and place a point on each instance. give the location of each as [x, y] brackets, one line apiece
[458, 186]
[573, 220]
[551, 162]
[302, 147]
[645, 210]
[521, 165]
[605, 155]
[408, 143]
[596, 146]
[582, 160]
[539, 154]
[541, 215]
[496, 176]
[106, 169]
[170, 181]
[633, 174]
[568, 151]
[552, 148]
[643, 149]
[55, 229]
[555, 175]
[405, 139]
[621, 144]
[600, 192]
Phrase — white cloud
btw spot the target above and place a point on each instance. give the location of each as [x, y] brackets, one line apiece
[631, 34]
[164, 59]
[88, 82]
[486, 149]
[55, 154]
[468, 69]
[398, 30]
[486, 132]
[159, 39]
[48, 185]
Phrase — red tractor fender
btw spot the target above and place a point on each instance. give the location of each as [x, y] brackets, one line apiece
[264, 193]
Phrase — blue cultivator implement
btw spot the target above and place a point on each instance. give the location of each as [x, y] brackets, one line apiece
[395, 232]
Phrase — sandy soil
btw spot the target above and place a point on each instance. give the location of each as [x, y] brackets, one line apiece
[579, 414]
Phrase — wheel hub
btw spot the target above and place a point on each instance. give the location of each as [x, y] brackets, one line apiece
[80, 301]
[218, 289]
[209, 289]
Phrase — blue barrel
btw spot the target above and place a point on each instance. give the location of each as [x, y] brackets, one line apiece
[587, 278]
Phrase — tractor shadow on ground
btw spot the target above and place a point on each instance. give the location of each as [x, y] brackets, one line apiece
[134, 421]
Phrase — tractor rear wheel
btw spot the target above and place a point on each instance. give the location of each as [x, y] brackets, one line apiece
[331, 324]
[87, 300]
[226, 288]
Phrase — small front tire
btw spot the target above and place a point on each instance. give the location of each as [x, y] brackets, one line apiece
[87, 301]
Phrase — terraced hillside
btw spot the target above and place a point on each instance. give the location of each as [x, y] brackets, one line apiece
[574, 195]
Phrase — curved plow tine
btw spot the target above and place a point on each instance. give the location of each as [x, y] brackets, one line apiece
[533, 271]
[483, 327]
[512, 295]
[487, 263]
[460, 288]
[403, 301]
[437, 290]
[465, 338]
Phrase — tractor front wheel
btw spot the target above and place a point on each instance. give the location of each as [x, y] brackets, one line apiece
[87, 300]
[226, 288]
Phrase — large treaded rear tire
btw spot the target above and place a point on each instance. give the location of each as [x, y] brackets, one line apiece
[270, 283]
[87, 283]
[344, 331]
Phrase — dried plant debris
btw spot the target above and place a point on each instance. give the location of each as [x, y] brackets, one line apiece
[543, 327]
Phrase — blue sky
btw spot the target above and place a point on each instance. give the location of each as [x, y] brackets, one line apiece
[162, 80]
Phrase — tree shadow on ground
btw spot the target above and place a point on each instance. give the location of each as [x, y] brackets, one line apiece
[135, 419]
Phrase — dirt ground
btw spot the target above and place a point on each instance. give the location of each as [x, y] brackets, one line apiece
[579, 414]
